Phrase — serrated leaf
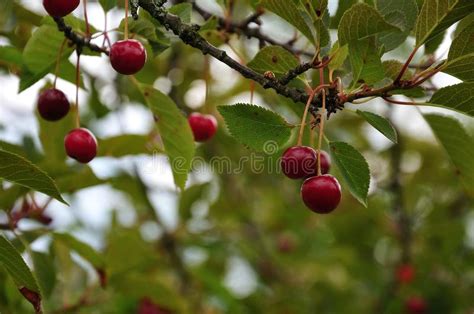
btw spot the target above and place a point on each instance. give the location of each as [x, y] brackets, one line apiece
[123, 145]
[400, 13]
[175, 132]
[339, 55]
[362, 21]
[255, 126]
[437, 15]
[288, 10]
[317, 10]
[458, 145]
[107, 5]
[275, 59]
[461, 55]
[381, 124]
[41, 51]
[433, 45]
[342, 7]
[183, 11]
[19, 170]
[52, 138]
[16, 267]
[458, 97]
[45, 272]
[354, 169]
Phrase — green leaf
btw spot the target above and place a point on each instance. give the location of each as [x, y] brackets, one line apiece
[107, 5]
[400, 13]
[362, 21]
[19, 170]
[176, 134]
[183, 10]
[339, 55]
[255, 126]
[275, 59]
[380, 123]
[457, 143]
[52, 138]
[317, 10]
[41, 51]
[461, 55]
[45, 272]
[123, 145]
[354, 169]
[437, 15]
[149, 31]
[290, 12]
[342, 7]
[365, 61]
[433, 45]
[458, 97]
[16, 267]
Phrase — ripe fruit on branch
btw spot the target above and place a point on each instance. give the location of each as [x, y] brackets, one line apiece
[300, 162]
[416, 305]
[405, 273]
[60, 8]
[53, 104]
[321, 194]
[81, 145]
[204, 126]
[127, 56]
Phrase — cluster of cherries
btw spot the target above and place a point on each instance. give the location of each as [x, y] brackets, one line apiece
[126, 57]
[320, 193]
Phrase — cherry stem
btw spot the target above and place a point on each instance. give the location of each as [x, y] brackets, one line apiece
[321, 123]
[311, 133]
[207, 79]
[406, 65]
[86, 19]
[252, 91]
[125, 33]
[306, 108]
[58, 61]
[78, 82]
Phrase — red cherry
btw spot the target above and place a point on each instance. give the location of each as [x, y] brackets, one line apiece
[53, 104]
[81, 145]
[321, 194]
[127, 56]
[204, 126]
[416, 305]
[60, 8]
[298, 162]
[405, 273]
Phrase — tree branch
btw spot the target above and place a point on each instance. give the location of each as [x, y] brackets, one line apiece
[78, 40]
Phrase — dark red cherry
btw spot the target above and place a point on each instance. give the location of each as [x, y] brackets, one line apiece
[81, 145]
[60, 8]
[299, 162]
[321, 194]
[405, 273]
[127, 56]
[416, 305]
[204, 126]
[53, 104]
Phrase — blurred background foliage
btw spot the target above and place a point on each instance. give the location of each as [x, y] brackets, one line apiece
[230, 242]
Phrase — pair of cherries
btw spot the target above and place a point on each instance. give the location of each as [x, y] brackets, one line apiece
[322, 193]
[79, 143]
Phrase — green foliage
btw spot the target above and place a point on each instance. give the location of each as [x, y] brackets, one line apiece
[354, 169]
[461, 54]
[458, 144]
[174, 130]
[256, 127]
[19, 170]
[380, 123]
[458, 97]
[275, 59]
